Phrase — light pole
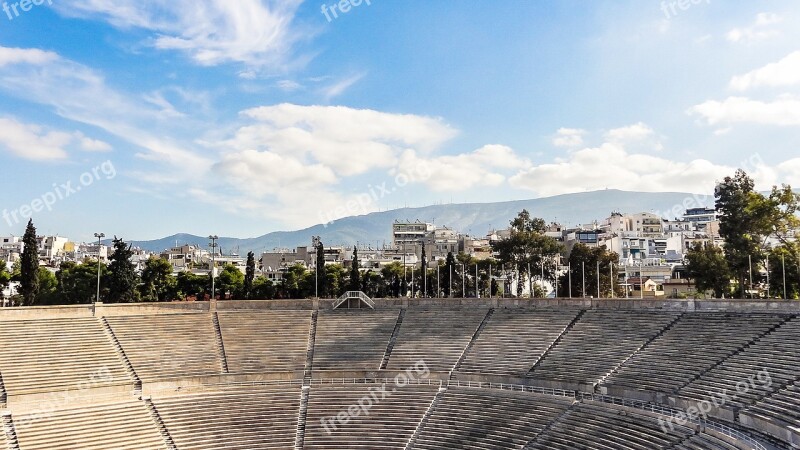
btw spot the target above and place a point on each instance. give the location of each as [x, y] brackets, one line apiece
[438, 281]
[317, 243]
[783, 263]
[213, 246]
[477, 280]
[99, 237]
[569, 273]
[451, 280]
[598, 278]
[750, 265]
[464, 280]
[583, 271]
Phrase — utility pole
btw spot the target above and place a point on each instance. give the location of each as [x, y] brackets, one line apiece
[99, 237]
[213, 246]
[569, 272]
[598, 278]
[583, 271]
[783, 263]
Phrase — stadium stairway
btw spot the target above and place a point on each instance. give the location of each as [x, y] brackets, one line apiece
[312, 338]
[639, 350]
[421, 425]
[300, 436]
[220, 343]
[392, 340]
[471, 342]
[137, 383]
[9, 432]
[3, 398]
[159, 424]
[557, 340]
[532, 443]
[741, 349]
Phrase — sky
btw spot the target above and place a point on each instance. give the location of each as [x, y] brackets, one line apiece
[145, 118]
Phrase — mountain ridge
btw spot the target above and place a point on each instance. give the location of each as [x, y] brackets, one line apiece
[469, 218]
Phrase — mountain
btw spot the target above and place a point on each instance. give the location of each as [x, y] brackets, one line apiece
[470, 218]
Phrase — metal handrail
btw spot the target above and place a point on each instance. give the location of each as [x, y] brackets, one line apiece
[354, 294]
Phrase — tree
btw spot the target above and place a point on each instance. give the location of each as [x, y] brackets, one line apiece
[122, 279]
[334, 275]
[191, 285]
[5, 280]
[249, 276]
[708, 266]
[789, 255]
[355, 275]
[263, 289]
[77, 283]
[230, 281]
[48, 288]
[528, 246]
[158, 283]
[584, 259]
[29, 268]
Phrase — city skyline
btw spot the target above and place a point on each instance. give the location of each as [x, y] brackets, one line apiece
[272, 115]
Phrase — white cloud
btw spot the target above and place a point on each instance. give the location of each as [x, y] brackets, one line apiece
[92, 145]
[349, 141]
[78, 93]
[569, 137]
[484, 167]
[785, 72]
[338, 88]
[784, 111]
[255, 32]
[33, 142]
[758, 31]
[34, 56]
[611, 166]
[631, 133]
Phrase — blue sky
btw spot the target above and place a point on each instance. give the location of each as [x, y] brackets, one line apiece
[143, 118]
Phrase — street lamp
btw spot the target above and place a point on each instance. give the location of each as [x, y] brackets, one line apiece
[99, 237]
[213, 246]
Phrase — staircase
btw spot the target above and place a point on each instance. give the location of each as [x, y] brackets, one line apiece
[549, 426]
[300, 436]
[392, 340]
[471, 342]
[3, 396]
[638, 350]
[137, 382]
[557, 340]
[424, 421]
[738, 350]
[312, 338]
[9, 431]
[151, 408]
[220, 344]
[354, 295]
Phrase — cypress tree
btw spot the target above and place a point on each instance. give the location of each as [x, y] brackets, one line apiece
[29, 273]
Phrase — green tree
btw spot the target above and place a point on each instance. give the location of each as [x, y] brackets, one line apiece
[191, 285]
[249, 276]
[29, 267]
[528, 246]
[391, 275]
[707, 265]
[355, 274]
[48, 288]
[122, 280]
[263, 289]
[158, 283]
[584, 259]
[230, 281]
[335, 280]
[77, 283]
[5, 280]
[789, 255]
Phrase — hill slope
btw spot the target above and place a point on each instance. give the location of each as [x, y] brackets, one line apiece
[470, 218]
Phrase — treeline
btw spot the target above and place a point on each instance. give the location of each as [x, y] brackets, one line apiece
[528, 259]
[748, 265]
